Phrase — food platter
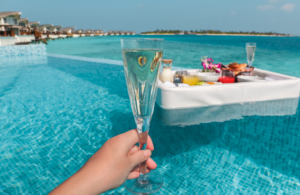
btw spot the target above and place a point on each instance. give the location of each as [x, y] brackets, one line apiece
[278, 86]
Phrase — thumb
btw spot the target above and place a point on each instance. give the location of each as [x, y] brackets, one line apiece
[139, 157]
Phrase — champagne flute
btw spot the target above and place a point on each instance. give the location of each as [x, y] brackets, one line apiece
[142, 61]
[250, 48]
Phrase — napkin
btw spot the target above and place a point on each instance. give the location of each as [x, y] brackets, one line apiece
[169, 84]
[183, 85]
[269, 79]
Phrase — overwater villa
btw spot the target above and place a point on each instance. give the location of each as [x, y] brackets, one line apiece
[54, 32]
[34, 28]
[116, 32]
[132, 32]
[9, 23]
[98, 32]
[12, 27]
[45, 30]
[88, 32]
[79, 33]
[67, 32]
[110, 32]
[25, 30]
[22, 31]
[25, 35]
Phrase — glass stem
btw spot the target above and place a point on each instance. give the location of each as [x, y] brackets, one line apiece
[143, 129]
[250, 64]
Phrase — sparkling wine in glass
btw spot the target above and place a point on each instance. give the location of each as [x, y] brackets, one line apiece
[250, 48]
[142, 60]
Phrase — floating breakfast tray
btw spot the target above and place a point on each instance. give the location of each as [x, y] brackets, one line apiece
[282, 87]
[196, 116]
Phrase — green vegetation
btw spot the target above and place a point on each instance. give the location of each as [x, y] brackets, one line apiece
[205, 32]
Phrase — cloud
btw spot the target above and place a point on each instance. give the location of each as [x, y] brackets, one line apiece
[265, 7]
[141, 5]
[288, 7]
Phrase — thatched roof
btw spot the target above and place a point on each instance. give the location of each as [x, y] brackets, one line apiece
[5, 14]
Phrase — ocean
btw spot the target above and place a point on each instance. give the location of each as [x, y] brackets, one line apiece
[278, 54]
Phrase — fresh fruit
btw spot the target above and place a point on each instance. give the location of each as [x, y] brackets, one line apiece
[226, 79]
[200, 83]
[210, 83]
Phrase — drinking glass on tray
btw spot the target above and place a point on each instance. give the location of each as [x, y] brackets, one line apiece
[190, 79]
[227, 76]
[250, 49]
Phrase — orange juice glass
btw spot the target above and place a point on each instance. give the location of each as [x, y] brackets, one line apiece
[190, 79]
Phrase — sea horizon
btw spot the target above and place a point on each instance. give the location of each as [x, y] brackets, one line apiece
[273, 53]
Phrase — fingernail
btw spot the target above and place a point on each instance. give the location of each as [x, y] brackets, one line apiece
[147, 153]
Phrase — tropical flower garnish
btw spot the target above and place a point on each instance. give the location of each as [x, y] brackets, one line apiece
[208, 65]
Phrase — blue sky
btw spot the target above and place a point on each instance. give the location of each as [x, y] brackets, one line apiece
[281, 16]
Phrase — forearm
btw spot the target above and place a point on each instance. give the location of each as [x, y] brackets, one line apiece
[84, 182]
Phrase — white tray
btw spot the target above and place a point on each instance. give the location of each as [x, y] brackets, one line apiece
[195, 116]
[283, 87]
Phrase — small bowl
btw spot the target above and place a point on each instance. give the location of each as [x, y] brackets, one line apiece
[250, 79]
[208, 76]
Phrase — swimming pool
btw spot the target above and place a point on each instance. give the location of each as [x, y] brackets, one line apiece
[56, 112]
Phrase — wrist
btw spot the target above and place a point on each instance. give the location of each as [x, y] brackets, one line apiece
[82, 182]
[92, 181]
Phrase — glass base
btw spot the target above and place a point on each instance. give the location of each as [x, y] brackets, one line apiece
[144, 186]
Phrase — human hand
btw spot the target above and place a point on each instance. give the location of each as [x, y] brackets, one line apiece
[117, 160]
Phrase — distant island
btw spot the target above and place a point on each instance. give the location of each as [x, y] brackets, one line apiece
[213, 32]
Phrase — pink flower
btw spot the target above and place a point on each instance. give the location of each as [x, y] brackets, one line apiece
[210, 60]
[205, 65]
[208, 65]
[218, 65]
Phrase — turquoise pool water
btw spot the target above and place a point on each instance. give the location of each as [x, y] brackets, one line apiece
[279, 54]
[56, 112]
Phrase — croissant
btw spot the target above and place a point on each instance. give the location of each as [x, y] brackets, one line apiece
[237, 66]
